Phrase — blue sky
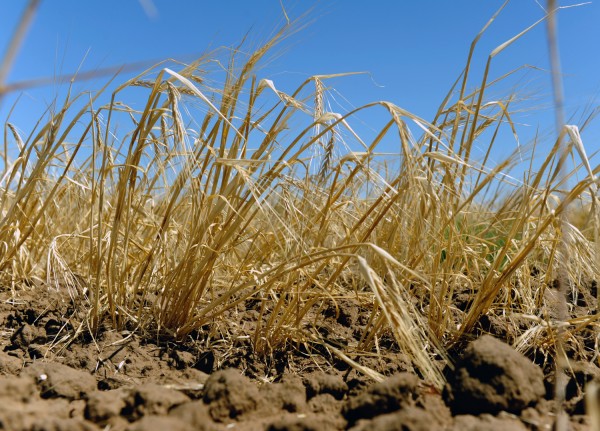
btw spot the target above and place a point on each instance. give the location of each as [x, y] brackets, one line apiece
[413, 50]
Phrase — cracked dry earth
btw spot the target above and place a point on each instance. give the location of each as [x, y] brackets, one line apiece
[53, 376]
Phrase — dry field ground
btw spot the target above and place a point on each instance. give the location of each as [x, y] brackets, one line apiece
[233, 256]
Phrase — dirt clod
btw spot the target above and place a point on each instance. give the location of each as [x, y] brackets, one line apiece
[25, 336]
[21, 389]
[194, 413]
[322, 383]
[58, 380]
[229, 395]
[288, 395]
[152, 399]
[393, 393]
[103, 405]
[491, 377]
[324, 403]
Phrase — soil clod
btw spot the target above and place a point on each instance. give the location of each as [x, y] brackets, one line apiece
[491, 377]
[393, 393]
[230, 395]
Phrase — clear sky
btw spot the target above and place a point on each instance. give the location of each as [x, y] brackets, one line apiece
[413, 50]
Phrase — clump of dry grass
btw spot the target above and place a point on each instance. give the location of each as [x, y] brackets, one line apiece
[168, 217]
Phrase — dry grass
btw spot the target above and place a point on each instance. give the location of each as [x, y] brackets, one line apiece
[168, 217]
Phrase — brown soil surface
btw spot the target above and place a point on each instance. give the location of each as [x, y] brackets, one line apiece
[55, 376]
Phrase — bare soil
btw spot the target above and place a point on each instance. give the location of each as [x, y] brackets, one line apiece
[55, 376]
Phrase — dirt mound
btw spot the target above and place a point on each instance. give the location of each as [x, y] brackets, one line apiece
[491, 377]
[57, 380]
[392, 394]
[322, 383]
[230, 395]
